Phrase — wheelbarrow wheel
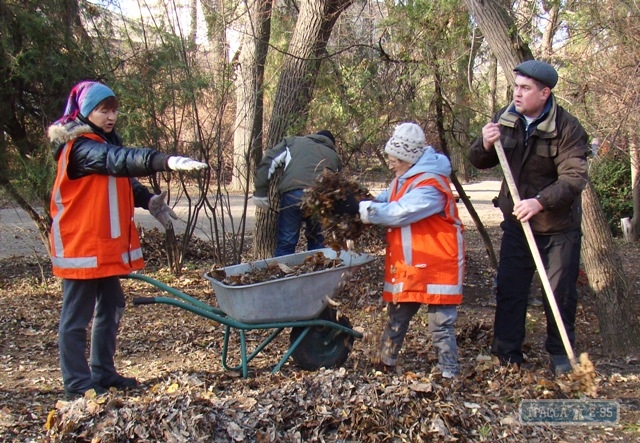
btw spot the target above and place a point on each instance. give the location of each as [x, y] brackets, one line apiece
[323, 346]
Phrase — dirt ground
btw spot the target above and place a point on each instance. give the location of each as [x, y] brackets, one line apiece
[187, 395]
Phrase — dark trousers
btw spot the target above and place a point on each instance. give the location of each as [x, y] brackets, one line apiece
[103, 300]
[560, 255]
[290, 219]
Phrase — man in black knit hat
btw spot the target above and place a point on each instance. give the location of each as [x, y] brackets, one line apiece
[302, 159]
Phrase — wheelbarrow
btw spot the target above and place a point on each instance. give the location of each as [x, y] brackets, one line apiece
[319, 336]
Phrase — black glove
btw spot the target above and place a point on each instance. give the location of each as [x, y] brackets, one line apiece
[350, 205]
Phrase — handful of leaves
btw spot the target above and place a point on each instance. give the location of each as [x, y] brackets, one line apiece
[320, 201]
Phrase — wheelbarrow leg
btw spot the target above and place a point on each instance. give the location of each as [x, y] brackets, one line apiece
[244, 366]
[292, 348]
[243, 352]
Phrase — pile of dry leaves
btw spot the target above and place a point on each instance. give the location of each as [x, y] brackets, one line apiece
[275, 270]
[328, 405]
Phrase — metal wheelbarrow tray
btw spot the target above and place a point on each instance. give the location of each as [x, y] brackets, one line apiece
[319, 336]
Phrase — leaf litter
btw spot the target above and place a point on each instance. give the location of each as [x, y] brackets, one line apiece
[186, 395]
[277, 270]
[321, 200]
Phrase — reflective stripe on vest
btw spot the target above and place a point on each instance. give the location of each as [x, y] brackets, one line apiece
[75, 263]
[57, 201]
[131, 256]
[114, 212]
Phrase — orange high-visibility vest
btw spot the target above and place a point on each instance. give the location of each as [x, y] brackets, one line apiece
[93, 234]
[425, 260]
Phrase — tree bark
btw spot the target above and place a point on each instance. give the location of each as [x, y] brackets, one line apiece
[616, 315]
[616, 309]
[293, 96]
[247, 139]
[500, 31]
[214, 16]
[551, 27]
[634, 154]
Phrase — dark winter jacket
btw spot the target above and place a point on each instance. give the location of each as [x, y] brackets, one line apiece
[111, 158]
[302, 158]
[548, 163]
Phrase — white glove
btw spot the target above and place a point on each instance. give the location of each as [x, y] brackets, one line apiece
[364, 211]
[161, 211]
[176, 163]
[261, 202]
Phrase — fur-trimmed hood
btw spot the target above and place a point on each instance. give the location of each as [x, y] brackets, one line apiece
[60, 134]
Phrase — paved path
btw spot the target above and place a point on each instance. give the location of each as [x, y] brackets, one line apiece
[19, 237]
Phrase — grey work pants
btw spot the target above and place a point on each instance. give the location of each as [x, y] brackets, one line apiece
[102, 299]
[441, 320]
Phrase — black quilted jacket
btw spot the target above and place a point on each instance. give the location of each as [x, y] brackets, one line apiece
[111, 158]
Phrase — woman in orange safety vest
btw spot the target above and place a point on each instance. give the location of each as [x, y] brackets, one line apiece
[93, 236]
[424, 261]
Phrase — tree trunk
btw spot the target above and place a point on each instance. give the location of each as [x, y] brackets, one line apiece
[439, 101]
[616, 309]
[634, 153]
[214, 16]
[500, 31]
[293, 96]
[193, 17]
[616, 315]
[551, 27]
[463, 114]
[247, 138]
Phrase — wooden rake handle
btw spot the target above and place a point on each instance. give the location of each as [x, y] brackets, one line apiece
[528, 232]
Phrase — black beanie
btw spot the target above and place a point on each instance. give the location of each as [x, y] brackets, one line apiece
[327, 134]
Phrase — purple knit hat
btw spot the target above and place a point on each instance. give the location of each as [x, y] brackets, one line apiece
[83, 98]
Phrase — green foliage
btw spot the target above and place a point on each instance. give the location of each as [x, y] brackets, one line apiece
[611, 179]
[388, 75]
[35, 177]
[41, 57]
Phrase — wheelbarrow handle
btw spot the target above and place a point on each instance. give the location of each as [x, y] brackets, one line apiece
[144, 300]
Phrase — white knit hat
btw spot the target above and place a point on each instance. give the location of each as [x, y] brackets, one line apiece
[407, 143]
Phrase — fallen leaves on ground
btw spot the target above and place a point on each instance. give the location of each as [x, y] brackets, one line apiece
[582, 379]
[187, 396]
[328, 405]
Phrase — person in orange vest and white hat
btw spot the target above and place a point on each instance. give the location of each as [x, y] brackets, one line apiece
[425, 256]
[93, 236]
